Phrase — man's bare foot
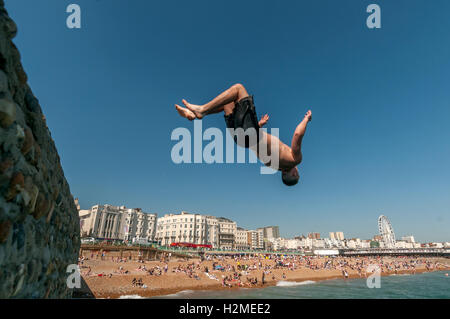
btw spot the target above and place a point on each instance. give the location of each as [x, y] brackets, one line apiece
[196, 109]
[184, 112]
[304, 123]
[308, 115]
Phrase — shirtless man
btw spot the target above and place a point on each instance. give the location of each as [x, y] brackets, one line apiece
[240, 113]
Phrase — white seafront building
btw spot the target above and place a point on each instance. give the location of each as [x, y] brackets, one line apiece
[227, 233]
[219, 232]
[199, 229]
[242, 242]
[117, 223]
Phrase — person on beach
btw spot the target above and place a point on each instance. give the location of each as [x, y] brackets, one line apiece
[345, 274]
[239, 109]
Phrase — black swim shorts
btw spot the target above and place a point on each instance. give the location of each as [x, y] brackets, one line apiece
[244, 117]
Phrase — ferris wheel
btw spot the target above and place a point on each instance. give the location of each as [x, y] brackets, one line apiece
[386, 231]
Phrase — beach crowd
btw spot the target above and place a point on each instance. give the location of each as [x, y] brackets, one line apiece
[251, 270]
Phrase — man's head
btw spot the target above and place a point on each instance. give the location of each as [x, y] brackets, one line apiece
[290, 177]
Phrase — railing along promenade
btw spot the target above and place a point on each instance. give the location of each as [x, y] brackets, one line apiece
[444, 252]
[146, 252]
[155, 251]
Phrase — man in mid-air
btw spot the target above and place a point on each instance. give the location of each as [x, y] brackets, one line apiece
[240, 113]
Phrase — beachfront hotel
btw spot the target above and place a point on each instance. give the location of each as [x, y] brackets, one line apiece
[227, 233]
[256, 238]
[219, 232]
[117, 223]
[242, 242]
[188, 228]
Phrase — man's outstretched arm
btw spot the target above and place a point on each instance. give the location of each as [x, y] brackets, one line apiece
[296, 144]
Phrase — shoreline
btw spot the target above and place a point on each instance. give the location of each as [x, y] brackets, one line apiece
[117, 288]
[165, 292]
[274, 283]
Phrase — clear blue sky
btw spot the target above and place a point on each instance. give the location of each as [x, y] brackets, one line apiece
[379, 142]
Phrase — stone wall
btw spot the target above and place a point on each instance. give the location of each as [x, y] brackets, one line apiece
[39, 224]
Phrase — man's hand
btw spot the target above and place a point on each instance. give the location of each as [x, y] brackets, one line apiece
[264, 120]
